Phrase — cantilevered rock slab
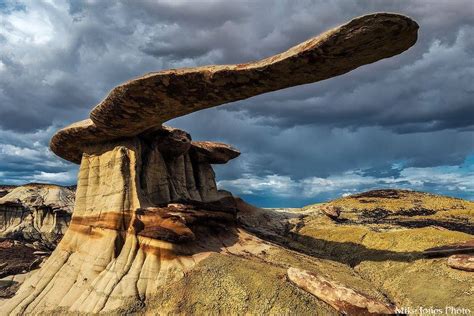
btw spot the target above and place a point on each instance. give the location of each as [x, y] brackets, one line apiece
[157, 97]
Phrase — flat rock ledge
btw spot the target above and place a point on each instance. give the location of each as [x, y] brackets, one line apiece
[213, 152]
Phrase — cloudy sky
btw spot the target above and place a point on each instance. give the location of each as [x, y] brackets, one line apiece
[405, 122]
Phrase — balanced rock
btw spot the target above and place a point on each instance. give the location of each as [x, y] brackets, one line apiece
[149, 101]
[147, 205]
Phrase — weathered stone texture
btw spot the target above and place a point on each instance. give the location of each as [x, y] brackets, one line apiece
[124, 234]
[36, 213]
[462, 262]
[342, 298]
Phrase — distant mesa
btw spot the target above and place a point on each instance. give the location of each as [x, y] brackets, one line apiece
[147, 209]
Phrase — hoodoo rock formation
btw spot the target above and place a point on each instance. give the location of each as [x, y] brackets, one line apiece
[147, 208]
[36, 213]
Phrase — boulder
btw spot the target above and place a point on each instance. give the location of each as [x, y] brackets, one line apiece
[331, 211]
[462, 262]
[344, 299]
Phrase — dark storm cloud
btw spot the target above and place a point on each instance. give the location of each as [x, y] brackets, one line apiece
[304, 151]
[425, 93]
[26, 158]
[413, 112]
[201, 14]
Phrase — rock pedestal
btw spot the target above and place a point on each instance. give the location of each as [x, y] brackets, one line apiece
[137, 202]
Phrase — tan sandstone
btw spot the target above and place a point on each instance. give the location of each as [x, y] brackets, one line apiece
[36, 212]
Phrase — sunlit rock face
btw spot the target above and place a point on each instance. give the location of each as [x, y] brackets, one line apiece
[37, 213]
[136, 204]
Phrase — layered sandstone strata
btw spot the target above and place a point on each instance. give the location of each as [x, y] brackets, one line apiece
[36, 213]
[139, 208]
[147, 206]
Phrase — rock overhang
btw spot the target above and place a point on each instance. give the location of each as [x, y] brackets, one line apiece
[147, 102]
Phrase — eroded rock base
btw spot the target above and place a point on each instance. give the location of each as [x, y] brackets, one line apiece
[147, 210]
